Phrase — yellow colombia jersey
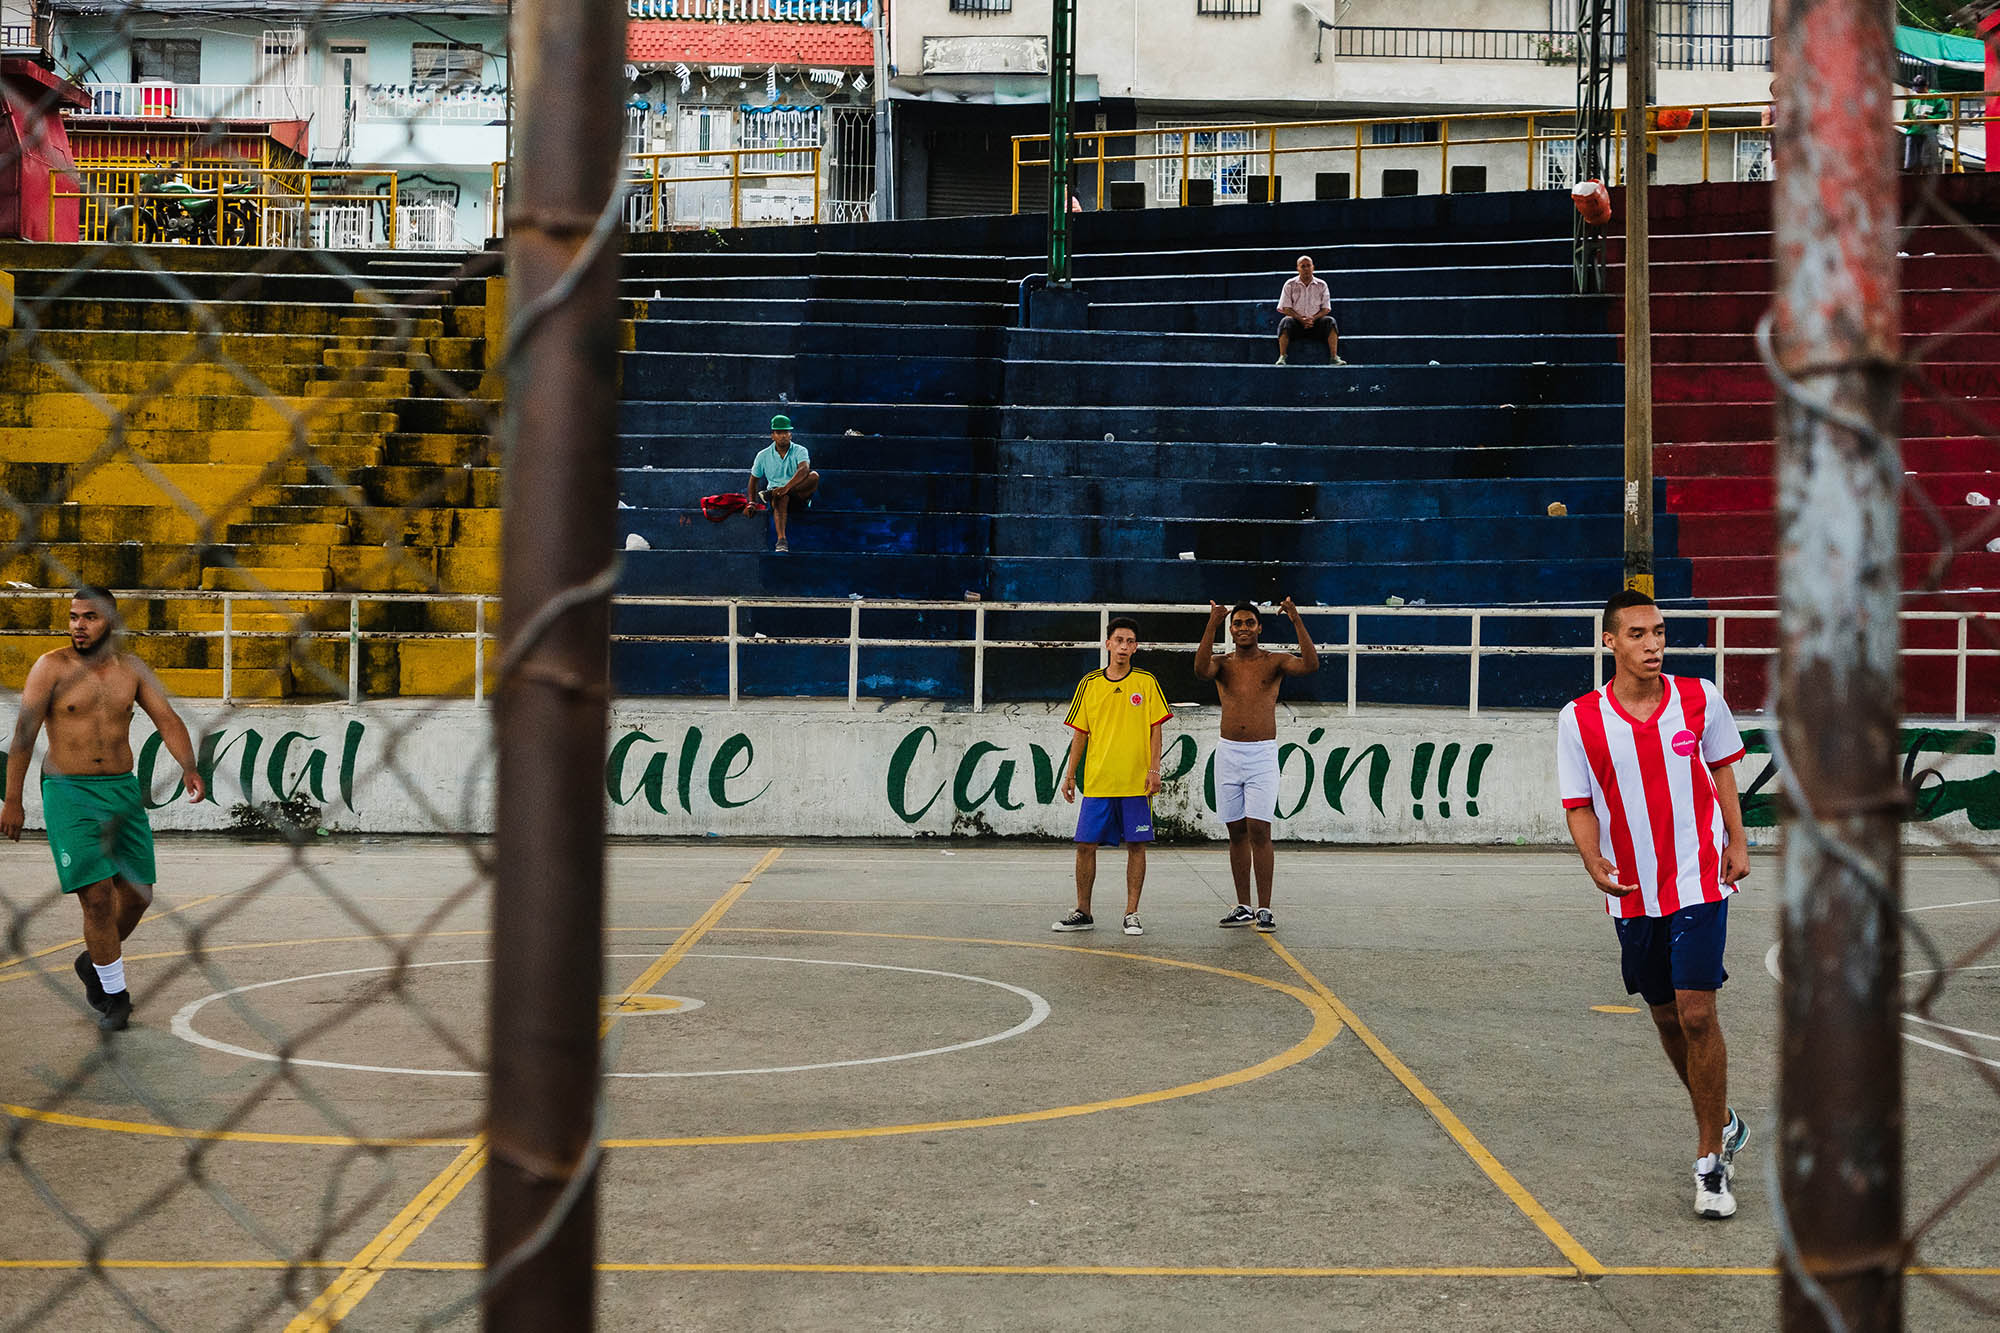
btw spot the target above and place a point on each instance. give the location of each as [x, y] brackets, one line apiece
[1118, 716]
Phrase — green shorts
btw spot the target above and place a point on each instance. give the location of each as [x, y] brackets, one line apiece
[97, 829]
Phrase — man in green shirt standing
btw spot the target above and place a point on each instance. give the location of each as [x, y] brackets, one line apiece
[1921, 115]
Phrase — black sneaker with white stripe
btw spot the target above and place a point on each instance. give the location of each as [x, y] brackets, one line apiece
[1078, 920]
[1239, 916]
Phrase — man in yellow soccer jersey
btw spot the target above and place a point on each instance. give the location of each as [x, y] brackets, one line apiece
[1119, 711]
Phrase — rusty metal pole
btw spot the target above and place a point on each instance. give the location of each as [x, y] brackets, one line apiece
[1836, 337]
[1638, 302]
[552, 702]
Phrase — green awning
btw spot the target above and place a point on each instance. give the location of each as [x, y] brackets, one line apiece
[1937, 48]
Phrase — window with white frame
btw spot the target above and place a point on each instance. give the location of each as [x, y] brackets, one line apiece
[1555, 163]
[446, 64]
[1229, 170]
[1229, 9]
[283, 63]
[795, 129]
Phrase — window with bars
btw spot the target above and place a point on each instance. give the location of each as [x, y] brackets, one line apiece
[446, 64]
[1215, 161]
[797, 131]
[175, 59]
[283, 61]
[1229, 9]
[982, 6]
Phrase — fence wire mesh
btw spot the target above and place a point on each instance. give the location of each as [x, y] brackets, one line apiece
[1950, 530]
[258, 366]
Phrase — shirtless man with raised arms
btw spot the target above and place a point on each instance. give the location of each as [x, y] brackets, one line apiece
[91, 802]
[1246, 756]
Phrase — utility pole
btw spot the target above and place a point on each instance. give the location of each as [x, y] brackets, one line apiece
[1836, 338]
[1638, 302]
[1062, 112]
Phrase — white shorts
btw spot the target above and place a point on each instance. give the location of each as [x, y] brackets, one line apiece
[1246, 780]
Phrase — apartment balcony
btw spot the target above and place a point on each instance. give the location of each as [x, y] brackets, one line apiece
[375, 103]
[1677, 50]
[754, 11]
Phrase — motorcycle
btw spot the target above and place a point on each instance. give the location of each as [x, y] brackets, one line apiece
[168, 208]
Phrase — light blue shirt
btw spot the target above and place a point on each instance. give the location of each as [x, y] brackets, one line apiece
[776, 470]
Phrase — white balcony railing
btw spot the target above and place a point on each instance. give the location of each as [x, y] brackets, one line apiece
[203, 101]
[781, 11]
[481, 104]
[475, 104]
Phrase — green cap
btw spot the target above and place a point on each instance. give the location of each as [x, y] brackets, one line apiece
[781, 422]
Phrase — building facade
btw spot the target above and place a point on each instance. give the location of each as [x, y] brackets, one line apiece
[965, 76]
[360, 93]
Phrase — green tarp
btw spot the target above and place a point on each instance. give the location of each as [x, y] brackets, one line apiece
[1960, 62]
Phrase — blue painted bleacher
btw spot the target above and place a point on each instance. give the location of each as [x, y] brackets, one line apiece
[963, 455]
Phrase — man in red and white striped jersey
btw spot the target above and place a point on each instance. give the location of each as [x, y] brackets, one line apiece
[1644, 767]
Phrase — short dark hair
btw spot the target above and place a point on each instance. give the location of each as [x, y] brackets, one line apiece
[1251, 607]
[1620, 601]
[91, 592]
[1122, 622]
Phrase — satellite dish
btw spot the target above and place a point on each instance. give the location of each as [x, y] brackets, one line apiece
[1318, 14]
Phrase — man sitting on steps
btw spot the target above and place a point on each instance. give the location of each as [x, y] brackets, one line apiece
[784, 473]
[1307, 309]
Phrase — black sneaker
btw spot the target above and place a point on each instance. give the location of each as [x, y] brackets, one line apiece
[1241, 916]
[117, 1012]
[1075, 921]
[1265, 922]
[93, 989]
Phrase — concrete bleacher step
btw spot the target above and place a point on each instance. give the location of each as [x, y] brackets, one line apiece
[206, 683]
[1921, 454]
[885, 310]
[1684, 349]
[244, 411]
[1331, 257]
[265, 578]
[1758, 494]
[1754, 422]
[229, 317]
[1737, 533]
[1552, 312]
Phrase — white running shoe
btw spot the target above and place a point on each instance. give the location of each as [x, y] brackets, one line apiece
[1132, 926]
[1734, 1135]
[1712, 1198]
[1280, 361]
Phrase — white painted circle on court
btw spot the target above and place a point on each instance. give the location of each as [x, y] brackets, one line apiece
[1038, 1010]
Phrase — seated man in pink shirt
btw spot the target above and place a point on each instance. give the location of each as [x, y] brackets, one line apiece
[1307, 308]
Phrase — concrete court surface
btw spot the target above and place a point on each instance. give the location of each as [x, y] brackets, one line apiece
[871, 1090]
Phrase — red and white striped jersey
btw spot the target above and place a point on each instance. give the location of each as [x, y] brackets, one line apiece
[1649, 779]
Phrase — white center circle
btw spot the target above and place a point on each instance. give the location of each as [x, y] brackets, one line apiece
[1038, 1010]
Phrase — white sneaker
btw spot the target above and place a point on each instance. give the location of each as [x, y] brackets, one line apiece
[1712, 1198]
[1280, 361]
[1132, 926]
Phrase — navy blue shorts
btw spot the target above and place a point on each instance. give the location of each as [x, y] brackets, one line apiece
[1110, 820]
[1663, 954]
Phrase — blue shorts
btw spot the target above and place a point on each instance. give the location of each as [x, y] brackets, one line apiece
[1663, 954]
[1110, 820]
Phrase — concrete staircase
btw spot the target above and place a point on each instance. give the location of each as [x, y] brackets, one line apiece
[289, 430]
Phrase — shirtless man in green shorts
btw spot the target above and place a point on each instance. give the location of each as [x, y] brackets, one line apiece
[91, 802]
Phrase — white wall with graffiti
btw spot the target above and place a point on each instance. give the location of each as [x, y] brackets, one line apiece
[817, 770]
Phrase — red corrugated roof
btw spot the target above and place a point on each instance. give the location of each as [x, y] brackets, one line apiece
[828, 45]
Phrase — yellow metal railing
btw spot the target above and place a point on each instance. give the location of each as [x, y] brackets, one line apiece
[1261, 140]
[280, 206]
[656, 177]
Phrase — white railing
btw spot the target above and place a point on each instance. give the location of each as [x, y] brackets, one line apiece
[467, 104]
[203, 101]
[1349, 646]
[782, 11]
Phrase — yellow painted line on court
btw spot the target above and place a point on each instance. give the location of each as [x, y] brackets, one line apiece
[1558, 1235]
[71, 944]
[1613, 1009]
[1326, 1026]
[957, 1270]
[366, 1269]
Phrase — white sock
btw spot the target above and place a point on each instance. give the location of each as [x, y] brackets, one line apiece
[111, 975]
[1707, 1164]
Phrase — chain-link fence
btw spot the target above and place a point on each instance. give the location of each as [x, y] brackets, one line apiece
[1863, 973]
[253, 383]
